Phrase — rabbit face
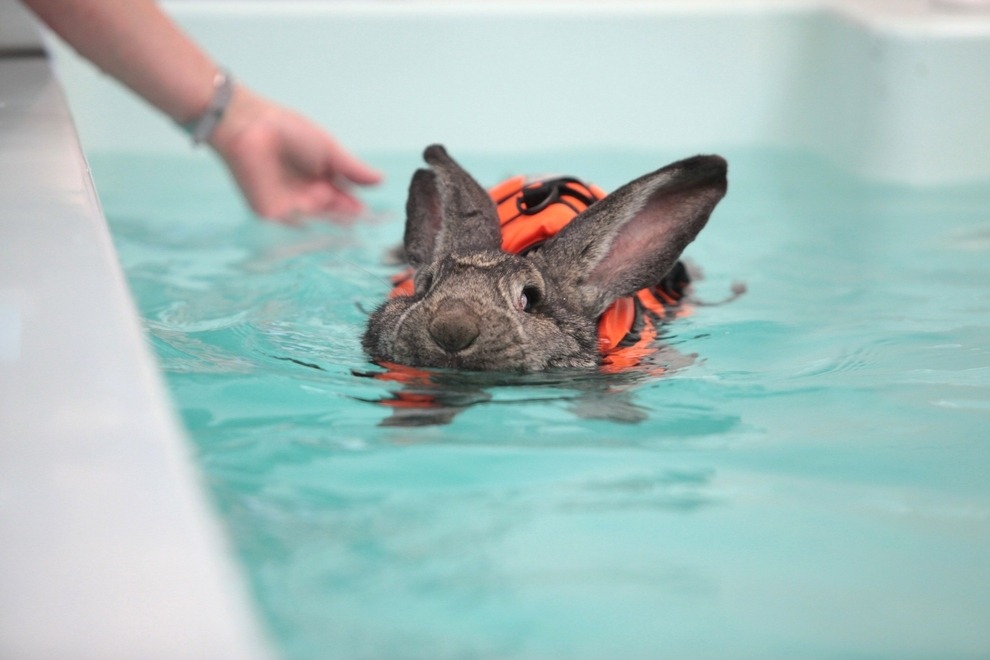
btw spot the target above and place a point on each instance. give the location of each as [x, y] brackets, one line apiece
[477, 307]
[483, 311]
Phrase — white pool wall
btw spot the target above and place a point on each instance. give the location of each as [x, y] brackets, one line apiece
[109, 545]
[895, 90]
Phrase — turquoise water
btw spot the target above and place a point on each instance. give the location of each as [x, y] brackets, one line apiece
[815, 482]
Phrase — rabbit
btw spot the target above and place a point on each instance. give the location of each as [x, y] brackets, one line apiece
[476, 307]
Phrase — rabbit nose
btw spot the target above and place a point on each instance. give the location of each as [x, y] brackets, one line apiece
[455, 327]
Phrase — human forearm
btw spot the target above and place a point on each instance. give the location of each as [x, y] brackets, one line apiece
[133, 41]
[286, 166]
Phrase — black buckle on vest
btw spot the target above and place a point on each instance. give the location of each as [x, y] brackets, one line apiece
[538, 196]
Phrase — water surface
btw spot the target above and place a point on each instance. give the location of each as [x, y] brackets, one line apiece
[816, 482]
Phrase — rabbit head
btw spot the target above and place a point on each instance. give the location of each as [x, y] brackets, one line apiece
[478, 307]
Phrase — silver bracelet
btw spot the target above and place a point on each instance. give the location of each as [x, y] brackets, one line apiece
[202, 128]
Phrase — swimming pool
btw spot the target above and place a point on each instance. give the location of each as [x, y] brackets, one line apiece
[814, 483]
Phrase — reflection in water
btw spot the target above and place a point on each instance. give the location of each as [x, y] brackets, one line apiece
[435, 396]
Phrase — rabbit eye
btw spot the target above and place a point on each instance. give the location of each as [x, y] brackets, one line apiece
[529, 298]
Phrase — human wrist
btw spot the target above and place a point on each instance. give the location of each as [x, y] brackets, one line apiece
[201, 126]
[244, 109]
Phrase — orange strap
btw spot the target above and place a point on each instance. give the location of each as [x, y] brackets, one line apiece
[526, 226]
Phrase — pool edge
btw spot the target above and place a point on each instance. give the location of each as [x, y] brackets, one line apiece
[111, 547]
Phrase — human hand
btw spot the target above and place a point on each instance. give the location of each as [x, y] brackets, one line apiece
[285, 165]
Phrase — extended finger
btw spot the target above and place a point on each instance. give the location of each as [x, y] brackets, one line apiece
[341, 164]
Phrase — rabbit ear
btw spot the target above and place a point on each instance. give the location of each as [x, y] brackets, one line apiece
[634, 236]
[469, 218]
[423, 218]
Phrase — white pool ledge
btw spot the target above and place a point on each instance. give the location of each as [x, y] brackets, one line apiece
[108, 546]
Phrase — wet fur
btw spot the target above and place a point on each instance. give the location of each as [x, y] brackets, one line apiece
[469, 309]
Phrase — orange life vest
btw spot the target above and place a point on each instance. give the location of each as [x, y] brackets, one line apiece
[531, 211]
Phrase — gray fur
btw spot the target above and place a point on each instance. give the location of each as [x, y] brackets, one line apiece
[468, 309]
